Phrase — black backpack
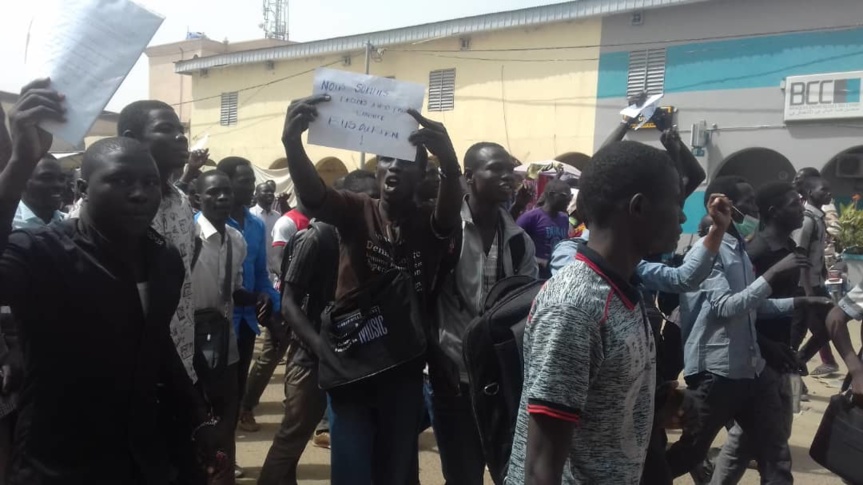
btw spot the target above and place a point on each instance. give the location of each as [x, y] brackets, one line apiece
[493, 356]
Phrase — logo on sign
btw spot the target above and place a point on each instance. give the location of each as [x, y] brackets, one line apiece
[828, 91]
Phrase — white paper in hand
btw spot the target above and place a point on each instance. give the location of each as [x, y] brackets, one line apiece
[366, 113]
[87, 48]
[647, 109]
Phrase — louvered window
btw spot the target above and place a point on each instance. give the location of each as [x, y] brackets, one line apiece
[646, 72]
[442, 90]
[229, 109]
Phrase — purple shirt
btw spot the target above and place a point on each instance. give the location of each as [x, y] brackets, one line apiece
[545, 231]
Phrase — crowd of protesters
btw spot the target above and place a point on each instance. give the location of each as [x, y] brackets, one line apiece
[131, 319]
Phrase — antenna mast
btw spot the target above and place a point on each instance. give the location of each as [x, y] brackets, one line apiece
[275, 19]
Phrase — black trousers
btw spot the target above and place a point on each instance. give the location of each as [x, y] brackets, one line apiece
[755, 404]
[246, 347]
[812, 319]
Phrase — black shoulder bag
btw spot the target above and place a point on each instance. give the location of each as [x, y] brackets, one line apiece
[838, 443]
[212, 325]
[375, 328]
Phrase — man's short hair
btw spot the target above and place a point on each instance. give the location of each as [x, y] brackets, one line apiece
[616, 173]
[557, 185]
[471, 156]
[771, 195]
[356, 180]
[229, 165]
[807, 184]
[802, 175]
[96, 153]
[728, 185]
[133, 117]
[204, 176]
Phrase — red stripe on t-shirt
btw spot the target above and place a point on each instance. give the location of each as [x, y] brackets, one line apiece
[552, 413]
[278, 244]
[628, 304]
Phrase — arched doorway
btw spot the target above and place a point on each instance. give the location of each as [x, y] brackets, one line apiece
[279, 163]
[575, 159]
[371, 164]
[844, 186]
[757, 165]
[330, 168]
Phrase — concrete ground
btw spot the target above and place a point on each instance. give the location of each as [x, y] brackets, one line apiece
[314, 466]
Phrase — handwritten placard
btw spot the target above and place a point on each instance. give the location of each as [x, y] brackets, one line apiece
[366, 113]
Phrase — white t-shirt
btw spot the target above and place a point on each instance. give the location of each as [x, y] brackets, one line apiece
[283, 231]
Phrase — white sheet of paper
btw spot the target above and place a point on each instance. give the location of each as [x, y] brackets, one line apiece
[200, 143]
[634, 110]
[87, 47]
[366, 113]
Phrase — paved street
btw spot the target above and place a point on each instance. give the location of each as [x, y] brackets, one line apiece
[314, 467]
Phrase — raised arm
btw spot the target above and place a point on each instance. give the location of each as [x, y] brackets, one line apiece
[30, 143]
[307, 183]
[698, 263]
[690, 170]
[197, 159]
[5, 141]
[617, 133]
[433, 136]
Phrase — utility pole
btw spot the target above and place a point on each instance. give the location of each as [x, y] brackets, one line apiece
[368, 58]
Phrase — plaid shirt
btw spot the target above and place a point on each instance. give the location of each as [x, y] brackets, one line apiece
[490, 270]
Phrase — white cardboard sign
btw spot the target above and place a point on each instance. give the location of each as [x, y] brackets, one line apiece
[366, 113]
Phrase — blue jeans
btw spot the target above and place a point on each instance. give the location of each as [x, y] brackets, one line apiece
[373, 430]
[461, 456]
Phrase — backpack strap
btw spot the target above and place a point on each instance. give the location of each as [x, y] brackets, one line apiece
[516, 252]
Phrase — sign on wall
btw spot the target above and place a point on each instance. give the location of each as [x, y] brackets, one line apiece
[366, 113]
[823, 96]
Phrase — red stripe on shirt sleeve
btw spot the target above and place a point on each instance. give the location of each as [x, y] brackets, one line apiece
[552, 413]
[279, 244]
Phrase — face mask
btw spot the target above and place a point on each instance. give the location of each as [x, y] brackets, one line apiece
[748, 227]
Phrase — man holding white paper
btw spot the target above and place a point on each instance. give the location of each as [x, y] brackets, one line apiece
[375, 418]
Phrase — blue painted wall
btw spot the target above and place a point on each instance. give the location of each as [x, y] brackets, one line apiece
[695, 211]
[755, 62]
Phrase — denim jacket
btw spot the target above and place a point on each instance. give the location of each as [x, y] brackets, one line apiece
[653, 276]
[717, 321]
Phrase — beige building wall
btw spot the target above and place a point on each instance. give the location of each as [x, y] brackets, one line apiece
[538, 110]
[176, 89]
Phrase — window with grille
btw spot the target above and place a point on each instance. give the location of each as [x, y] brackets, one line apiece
[229, 109]
[442, 90]
[646, 72]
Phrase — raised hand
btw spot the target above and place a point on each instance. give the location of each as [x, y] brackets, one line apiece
[433, 136]
[301, 112]
[197, 159]
[38, 103]
[719, 210]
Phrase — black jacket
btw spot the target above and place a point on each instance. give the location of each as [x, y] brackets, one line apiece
[92, 359]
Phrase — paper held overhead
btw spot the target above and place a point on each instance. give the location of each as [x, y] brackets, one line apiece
[366, 113]
[87, 48]
[646, 109]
